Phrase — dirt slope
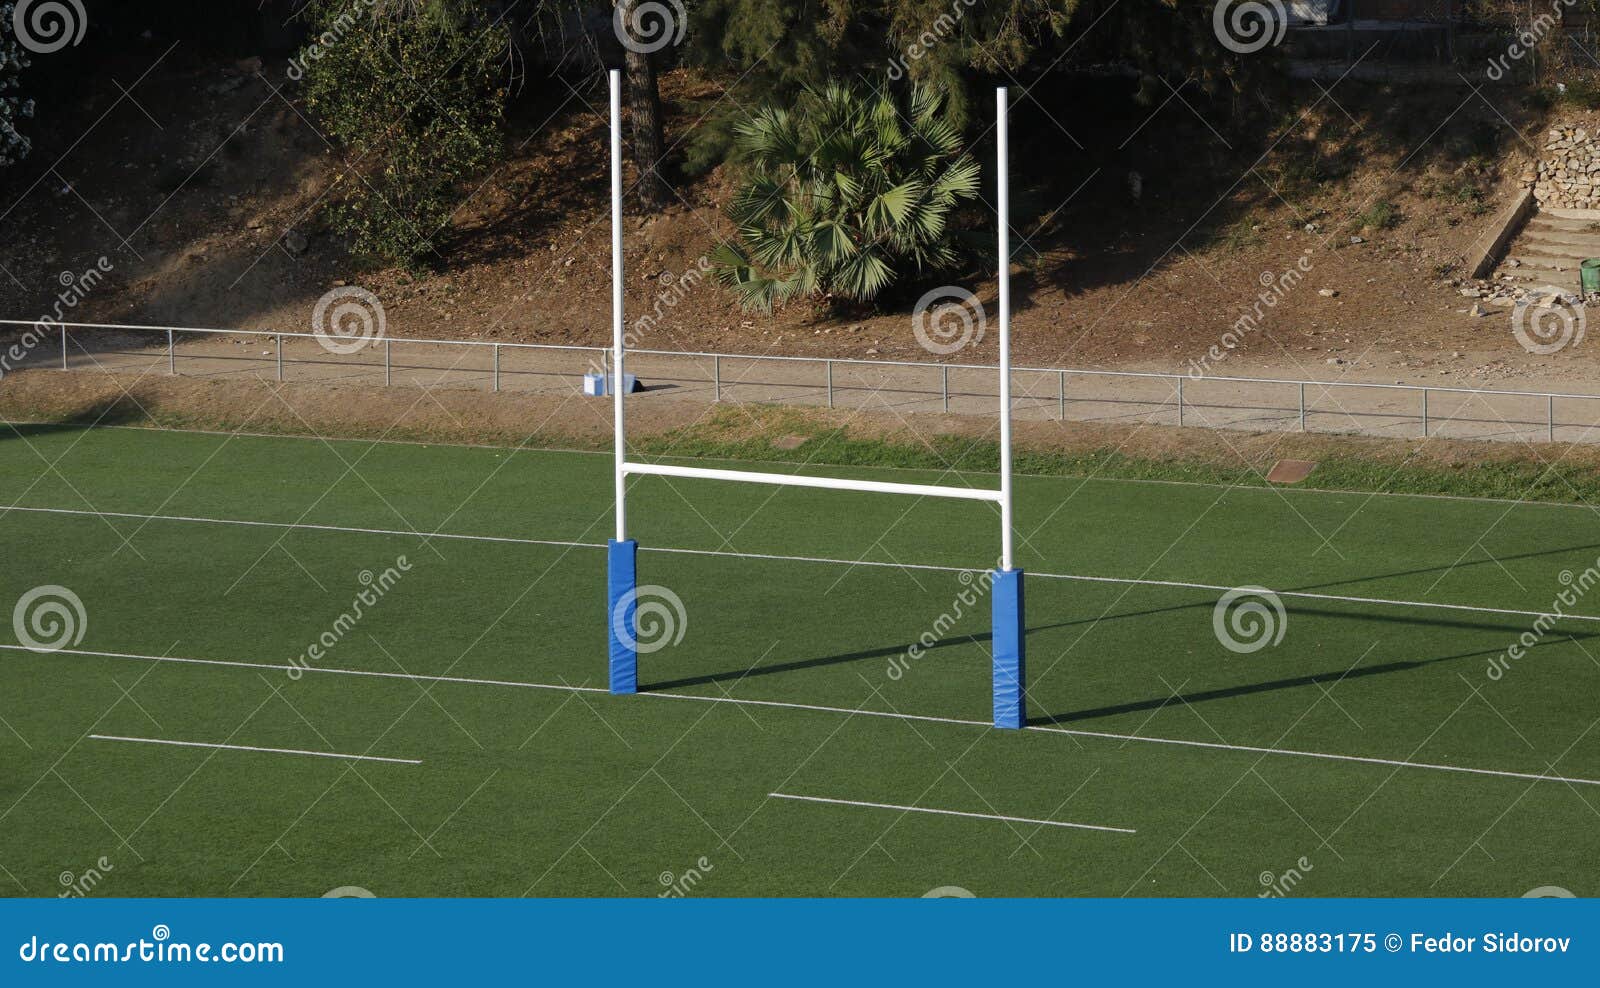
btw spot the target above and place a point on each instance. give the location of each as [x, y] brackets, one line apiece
[1148, 238]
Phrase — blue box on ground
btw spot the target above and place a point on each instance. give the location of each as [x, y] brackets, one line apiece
[594, 385]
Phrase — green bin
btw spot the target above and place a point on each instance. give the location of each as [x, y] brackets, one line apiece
[1589, 274]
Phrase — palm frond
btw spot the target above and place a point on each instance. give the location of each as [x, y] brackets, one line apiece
[841, 189]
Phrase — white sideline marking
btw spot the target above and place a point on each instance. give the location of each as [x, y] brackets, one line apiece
[306, 525]
[1321, 596]
[1319, 754]
[1126, 581]
[975, 816]
[858, 712]
[245, 747]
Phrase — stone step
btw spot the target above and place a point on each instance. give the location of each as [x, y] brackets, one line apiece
[1570, 214]
[1555, 242]
[1548, 265]
[1558, 273]
[1547, 279]
[1544, 221]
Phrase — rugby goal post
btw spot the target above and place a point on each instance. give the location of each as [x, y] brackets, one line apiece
[1008, 641]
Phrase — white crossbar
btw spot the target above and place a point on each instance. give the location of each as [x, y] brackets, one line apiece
[826, 483]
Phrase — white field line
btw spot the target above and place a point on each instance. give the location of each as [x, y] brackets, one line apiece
[857, 712]
[503, 539]
[245, 747]
[975, 816]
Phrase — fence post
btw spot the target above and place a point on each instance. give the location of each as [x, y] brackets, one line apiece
[497, 367]
[830, 382]
[1302, 406]
[172, 355]
[1061, 397]
[388, 362]
[1180, 400]
[280, 358]
[1552, 411]
[716, 377]
[944, 384]
[63, 347]
[1424, 413]
[1350, 33]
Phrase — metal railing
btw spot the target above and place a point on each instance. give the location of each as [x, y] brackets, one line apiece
[1099, 395]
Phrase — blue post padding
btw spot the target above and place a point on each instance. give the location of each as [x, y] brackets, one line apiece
[1010, 650]
[621, 602]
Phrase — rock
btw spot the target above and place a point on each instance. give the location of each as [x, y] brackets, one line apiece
[295, 242]
[1357, 240]
[1334, 361]
[1328, 292]
[1477, 310]
[1311, 228]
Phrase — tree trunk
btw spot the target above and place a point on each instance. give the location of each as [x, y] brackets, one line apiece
[644, 113]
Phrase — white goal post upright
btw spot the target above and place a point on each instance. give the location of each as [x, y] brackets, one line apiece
[622, 560]
[1008, 641]
[622, 553]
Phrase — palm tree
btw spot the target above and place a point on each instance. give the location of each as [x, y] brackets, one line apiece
[841, 194]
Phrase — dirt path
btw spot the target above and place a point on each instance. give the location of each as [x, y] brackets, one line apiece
[669, 424]
[893, 390]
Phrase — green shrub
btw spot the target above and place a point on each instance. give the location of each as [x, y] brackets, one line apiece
[842, 194]
[1580, 93]
[1379, 216]
[415, 92]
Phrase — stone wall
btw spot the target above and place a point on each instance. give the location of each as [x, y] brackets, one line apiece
[1569, 169]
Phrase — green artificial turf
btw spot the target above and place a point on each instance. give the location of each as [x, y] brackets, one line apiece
[529, 786]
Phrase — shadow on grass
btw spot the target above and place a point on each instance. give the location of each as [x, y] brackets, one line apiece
[124, 409]
[1153, 703]
[1291, 682]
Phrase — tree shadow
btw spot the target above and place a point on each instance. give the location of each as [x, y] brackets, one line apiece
[1110, 191]
[120, 410]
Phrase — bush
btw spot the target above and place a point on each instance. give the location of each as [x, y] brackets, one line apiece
[842, 194]
[13, 145]
[1380, 215]
[415, 90]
